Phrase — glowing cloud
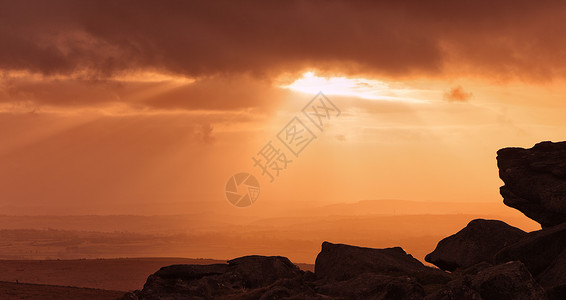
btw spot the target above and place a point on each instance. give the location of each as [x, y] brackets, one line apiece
[355, 87]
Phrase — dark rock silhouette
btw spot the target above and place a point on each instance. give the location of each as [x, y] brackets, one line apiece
[537, 250]
[510, 281]
[477, 242]
[373, 286]
[535, 184]
[543, 253]
[208, 281]
[361, 273]
[535, 181]
[341, 272]
[258, 271]
[553, 278]
[378, 274]
[473, 270]
[341, 262]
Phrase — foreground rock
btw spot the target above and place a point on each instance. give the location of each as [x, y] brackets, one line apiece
[351, 272]
[510, 281]
[212, 281]
[341, 262]
[477, 242]
[373, 286]
[535, 181]
[348, 272]
[341, 272]
[537, 250]
[553, 278]
[543, 253]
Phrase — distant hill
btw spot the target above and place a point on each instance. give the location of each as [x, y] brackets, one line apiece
[229, 216]
[405, 207]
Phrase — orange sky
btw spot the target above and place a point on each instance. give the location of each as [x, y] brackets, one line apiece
[148, 108]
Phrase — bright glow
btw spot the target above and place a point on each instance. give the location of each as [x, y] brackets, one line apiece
[356, 87]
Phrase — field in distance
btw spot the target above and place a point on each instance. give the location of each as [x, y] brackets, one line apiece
[121, 274]
[13, 291]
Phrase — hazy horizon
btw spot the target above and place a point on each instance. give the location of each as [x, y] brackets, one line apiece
[297, 234]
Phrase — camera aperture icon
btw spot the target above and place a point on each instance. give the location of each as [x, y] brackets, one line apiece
[242, 189]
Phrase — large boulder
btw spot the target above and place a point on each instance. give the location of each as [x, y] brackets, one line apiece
[373, 286]
[510, 281]
[286, 288]
[191, 272]
[475, 243]
[182, 281]
[257, 271]
[535, 181]
[233, 279]
[342, 262]
[537, 250]
[553, 278]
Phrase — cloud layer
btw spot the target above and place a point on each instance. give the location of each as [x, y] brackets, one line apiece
[202, 38]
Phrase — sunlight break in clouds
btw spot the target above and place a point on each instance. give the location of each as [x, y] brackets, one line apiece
[354, 87]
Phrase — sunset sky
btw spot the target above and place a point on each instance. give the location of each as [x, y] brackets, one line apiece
[146, 107]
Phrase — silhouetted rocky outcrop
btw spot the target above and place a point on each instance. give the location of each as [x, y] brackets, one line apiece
[535, 184]
[341, 272]
[360, 273]
[537, 250]
[477, 242]
[553, 278]
[507, 281]
[373, 286]
[542, 252]
[535, 181]
[341, 262]
[488, 259]
[237, 277]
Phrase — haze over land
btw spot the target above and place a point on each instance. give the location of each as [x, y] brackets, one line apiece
[297, 234]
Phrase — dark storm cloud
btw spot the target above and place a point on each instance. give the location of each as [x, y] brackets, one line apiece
[198, 38]
[206, 37]
[91, 43]
[209, 93]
